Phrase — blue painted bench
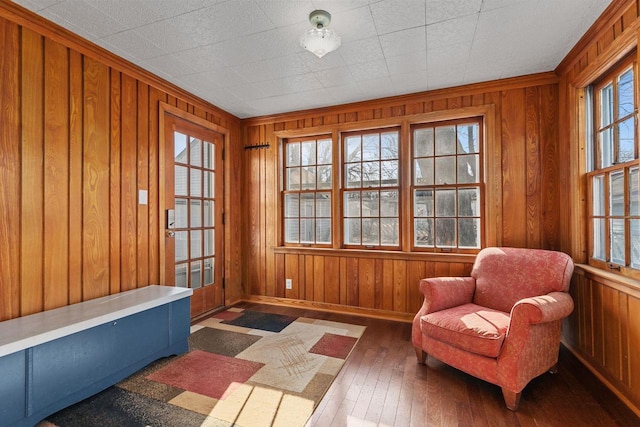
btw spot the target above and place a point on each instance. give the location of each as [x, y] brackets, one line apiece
[53, 359]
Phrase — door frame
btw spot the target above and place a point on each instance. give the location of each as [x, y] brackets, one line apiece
[164, 110]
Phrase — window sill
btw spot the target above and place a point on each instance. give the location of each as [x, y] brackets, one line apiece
[616, 281]
[360, 253]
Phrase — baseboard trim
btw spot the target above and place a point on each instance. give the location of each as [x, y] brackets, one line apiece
[333, 308]
[603, 379]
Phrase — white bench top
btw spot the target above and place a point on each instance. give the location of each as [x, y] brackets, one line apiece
[34, 329]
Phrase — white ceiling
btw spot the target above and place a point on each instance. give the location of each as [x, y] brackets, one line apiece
[244, 56]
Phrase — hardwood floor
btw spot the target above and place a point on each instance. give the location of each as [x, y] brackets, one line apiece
[382, 384]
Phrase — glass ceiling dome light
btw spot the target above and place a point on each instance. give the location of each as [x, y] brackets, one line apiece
[320, 40]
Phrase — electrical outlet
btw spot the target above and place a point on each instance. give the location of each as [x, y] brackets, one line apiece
[287, 284]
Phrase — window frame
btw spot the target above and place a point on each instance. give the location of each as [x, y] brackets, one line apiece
[345, 189]
[284, 192]
[435, 186]
[492, 179]
[596, 169]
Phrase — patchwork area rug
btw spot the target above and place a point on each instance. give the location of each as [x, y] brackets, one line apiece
[243, 368]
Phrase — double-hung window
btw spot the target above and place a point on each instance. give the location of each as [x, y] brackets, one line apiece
[371, 189]
[447, 192]
[613, 179]
[308, 180]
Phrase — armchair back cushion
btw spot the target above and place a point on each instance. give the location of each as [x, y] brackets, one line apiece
[506, 275]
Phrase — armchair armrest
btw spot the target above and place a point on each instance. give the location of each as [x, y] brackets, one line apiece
[542, 309]
[446, 292]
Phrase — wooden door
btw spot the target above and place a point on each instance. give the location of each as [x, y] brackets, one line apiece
[192, 175]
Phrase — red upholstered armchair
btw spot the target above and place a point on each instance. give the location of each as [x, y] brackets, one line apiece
[503, 323]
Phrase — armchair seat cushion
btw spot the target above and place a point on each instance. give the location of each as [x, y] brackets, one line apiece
[470, 327]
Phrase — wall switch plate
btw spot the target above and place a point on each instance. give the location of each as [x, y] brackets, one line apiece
[287, 284]
[143, 197]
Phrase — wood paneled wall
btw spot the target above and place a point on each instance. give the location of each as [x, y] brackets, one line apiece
[604, 329]
[79, 137]
[524, 197]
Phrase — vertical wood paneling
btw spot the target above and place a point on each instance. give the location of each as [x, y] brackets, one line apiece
[56, 174]
[155, 97]
[400, 286]
[634, 347]
[513, 172]
[32, 194]
[366, 281]
[549, 165]
[143, 184]
[96, 161]
[9, 171]
[75, 177]
[128, 185]
[388, 272]
[611, 326]
[332, 280]
[319, 283]
[533, 169]
[291, 272]
[115, 168]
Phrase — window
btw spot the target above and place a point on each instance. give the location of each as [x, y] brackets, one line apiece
[371, 189]
[447, 196]
[308, 182]
[614, 214]
[368, 189]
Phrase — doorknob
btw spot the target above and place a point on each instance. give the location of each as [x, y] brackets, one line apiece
[171, 233]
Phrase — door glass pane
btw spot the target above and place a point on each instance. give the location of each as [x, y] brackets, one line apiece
[208, 271]
[196, 274]
[180, 147]
[209, 243]
[181, 275]
[196, 152]
[208, 213]
[196, 213]
[180, 177]
[181, 245]
[209, 184]
[209, 155]
[196, 243]
[181, 213]
[196, 183]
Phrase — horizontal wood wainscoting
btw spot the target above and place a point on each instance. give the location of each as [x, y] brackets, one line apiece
[79, 137]
[521, 187]
[603, 330]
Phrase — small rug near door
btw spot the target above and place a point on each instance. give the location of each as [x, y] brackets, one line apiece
[243, 368]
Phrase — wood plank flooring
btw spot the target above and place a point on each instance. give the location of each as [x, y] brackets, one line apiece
[382, 384]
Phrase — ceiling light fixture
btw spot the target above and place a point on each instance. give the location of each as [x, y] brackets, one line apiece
[320, 40]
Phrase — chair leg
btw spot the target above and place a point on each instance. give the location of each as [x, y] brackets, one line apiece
[511, 399]
[421, 355]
